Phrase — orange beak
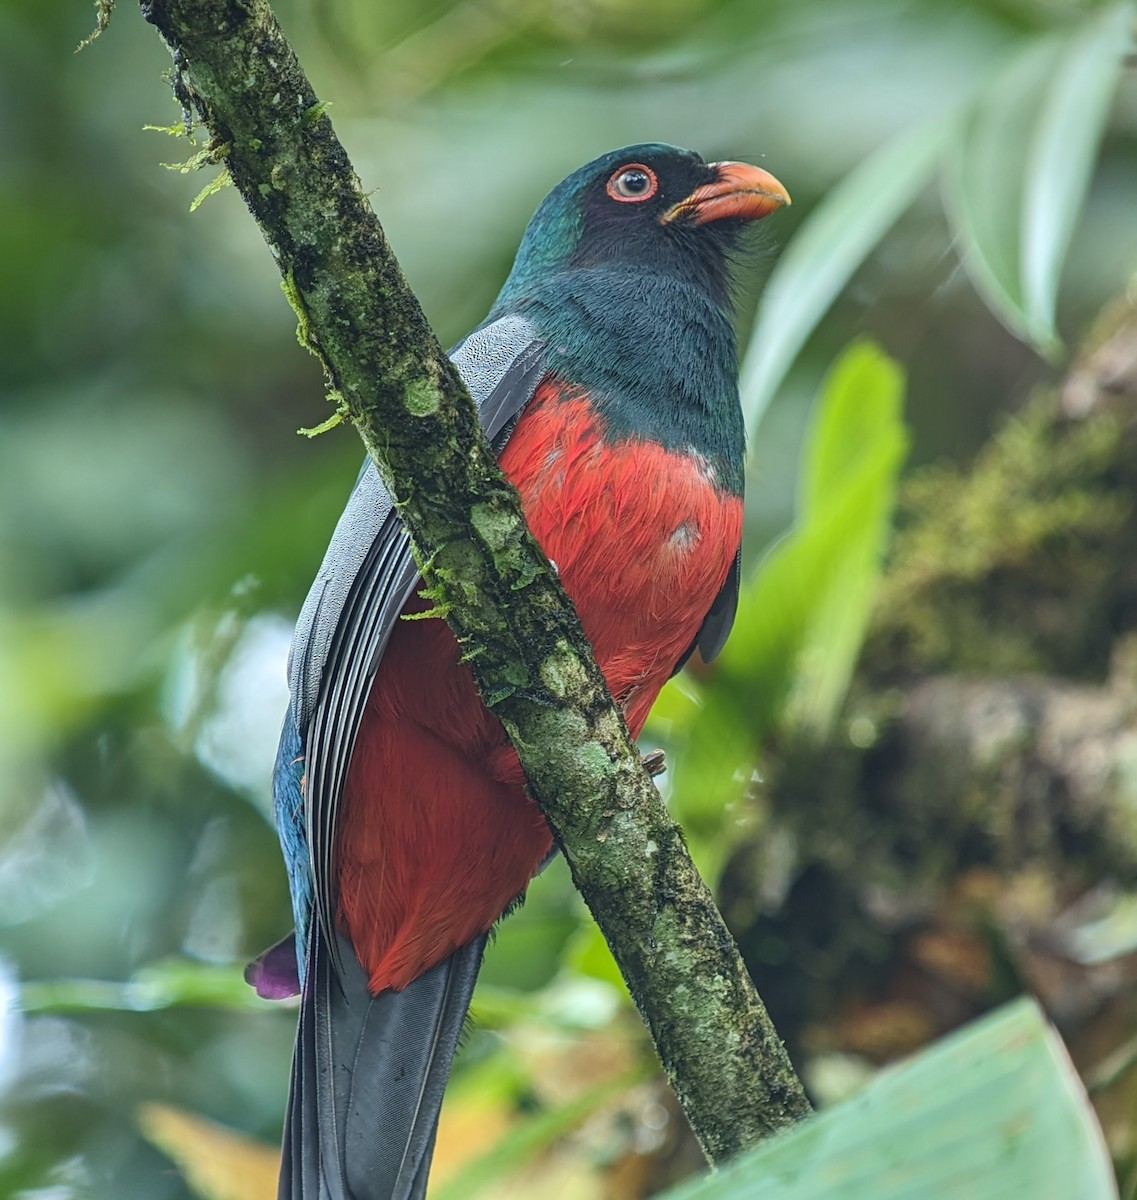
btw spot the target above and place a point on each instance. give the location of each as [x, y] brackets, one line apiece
[740, 190]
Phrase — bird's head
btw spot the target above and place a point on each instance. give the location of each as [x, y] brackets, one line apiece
[649, 207]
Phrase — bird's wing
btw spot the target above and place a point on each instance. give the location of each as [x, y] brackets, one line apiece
[366, 578]
[716, 625]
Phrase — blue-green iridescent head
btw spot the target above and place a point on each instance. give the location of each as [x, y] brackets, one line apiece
[653, 206]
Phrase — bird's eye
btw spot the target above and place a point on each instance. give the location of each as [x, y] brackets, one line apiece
[633, 182]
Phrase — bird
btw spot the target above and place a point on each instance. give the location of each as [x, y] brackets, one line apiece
[605, 377]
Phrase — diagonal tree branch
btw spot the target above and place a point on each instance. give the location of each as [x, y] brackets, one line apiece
[236, 72]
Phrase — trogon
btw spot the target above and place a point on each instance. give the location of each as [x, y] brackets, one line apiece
[605, 376]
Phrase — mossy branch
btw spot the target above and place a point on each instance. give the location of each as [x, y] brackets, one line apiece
[233, 67]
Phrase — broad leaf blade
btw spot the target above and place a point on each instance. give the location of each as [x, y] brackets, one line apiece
[853, 454]
[994, 1112]
[861, 408]
[1062, 154]
[850, 492]
[827, 249]
[984, 179]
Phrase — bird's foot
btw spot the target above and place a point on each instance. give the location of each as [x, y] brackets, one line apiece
[654, 762]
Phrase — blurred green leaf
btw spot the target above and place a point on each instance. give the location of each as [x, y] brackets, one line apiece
[529, 1138]
[1020, 166]
[801, 617]
[58, 662]
[1018, 169]
[993, 1112]
[675, 707]
[712, 768]
[527, 948]
[575, 1002]
[984, 174]
[171, 983]
[827, 249]
[1108, 932]
[860, 409]
[589, 955]
[571, 1003]
[218, 1163]
[848, 494]
[1062, 156]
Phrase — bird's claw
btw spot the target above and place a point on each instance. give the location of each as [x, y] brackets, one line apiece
[654, 762]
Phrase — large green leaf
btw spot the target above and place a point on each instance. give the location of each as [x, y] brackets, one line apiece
[1062, 154]
[1021, 162]
[1017, 170]
[849, 490]
[829, 246]
[994, 1112]
[984, 173]
[801, 617]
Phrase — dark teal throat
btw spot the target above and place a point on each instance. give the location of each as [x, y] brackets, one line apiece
[655, 354]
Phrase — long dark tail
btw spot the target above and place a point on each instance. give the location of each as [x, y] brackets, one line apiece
[368, 1074]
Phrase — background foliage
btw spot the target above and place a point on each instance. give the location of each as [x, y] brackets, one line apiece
[160, 520]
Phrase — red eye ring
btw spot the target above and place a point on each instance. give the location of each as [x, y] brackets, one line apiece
[633, 183]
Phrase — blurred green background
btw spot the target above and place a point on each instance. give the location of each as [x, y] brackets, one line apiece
[160, 520]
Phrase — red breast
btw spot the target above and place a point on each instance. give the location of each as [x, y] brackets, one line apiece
[438, 835]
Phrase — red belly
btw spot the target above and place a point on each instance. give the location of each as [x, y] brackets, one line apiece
[437, 833]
